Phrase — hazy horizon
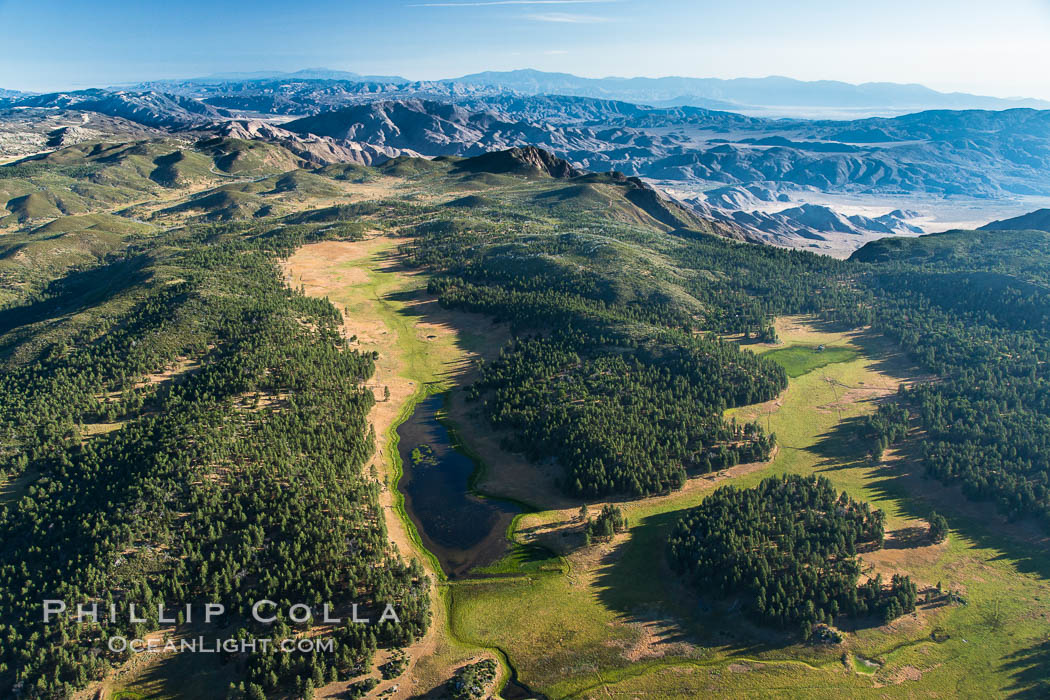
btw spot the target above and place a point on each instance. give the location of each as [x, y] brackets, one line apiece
[947, 46]
[292, 71]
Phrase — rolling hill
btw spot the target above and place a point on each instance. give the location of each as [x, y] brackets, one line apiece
[1036, 220]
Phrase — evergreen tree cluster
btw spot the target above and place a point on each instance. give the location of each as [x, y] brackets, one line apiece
[473, 681]
[788, 549]
[973, 309]
[239, 480]
[609, 522]
[627, 417]
[938, 527]
[886, 426]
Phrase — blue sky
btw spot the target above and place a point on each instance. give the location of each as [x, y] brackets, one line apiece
[998, 48]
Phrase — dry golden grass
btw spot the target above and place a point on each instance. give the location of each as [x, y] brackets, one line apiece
[421, 346]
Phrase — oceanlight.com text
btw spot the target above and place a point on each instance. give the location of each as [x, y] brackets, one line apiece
[202, 645]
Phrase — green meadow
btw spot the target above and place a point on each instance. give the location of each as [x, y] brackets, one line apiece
[618, 622]
[798, 360]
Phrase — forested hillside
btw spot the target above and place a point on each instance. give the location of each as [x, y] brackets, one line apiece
[232, 478]
[974, 308]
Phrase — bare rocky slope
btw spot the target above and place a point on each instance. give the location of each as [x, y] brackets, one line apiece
[27, 130]
[941, 153]
[735, 161]
[317, 150]
[937, 153]
[154, 109]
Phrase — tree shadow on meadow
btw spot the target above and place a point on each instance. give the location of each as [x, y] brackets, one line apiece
[204, 676]
[1029, 671]
[841, 448]
[908, 538]
[900, 478]
[635, 581]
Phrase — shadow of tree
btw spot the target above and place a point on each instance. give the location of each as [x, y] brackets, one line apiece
[907, 538]
[840, 448]
[1029, 671]
[635, 581]
[189, 674]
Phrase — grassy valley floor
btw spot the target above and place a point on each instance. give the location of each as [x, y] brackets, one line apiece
[586, 622]
[423, 349]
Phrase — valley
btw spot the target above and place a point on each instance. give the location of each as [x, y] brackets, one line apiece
[569, 343]
[423, 350]
[582, 621]
[524, 350]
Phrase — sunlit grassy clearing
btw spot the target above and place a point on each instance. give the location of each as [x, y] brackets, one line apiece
[566, 635]
[802, 359]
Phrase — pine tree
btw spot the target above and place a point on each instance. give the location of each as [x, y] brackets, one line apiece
[938, 527]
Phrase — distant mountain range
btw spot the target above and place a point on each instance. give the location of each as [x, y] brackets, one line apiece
[974, 153]
[305, 74]
[771, 96]
[326, 117]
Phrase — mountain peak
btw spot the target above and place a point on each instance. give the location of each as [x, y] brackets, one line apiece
[526, 159]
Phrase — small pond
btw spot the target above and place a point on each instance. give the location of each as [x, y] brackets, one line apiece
[461, 529]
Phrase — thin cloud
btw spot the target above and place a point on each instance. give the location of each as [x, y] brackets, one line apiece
[491, 3]
[566, 18]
